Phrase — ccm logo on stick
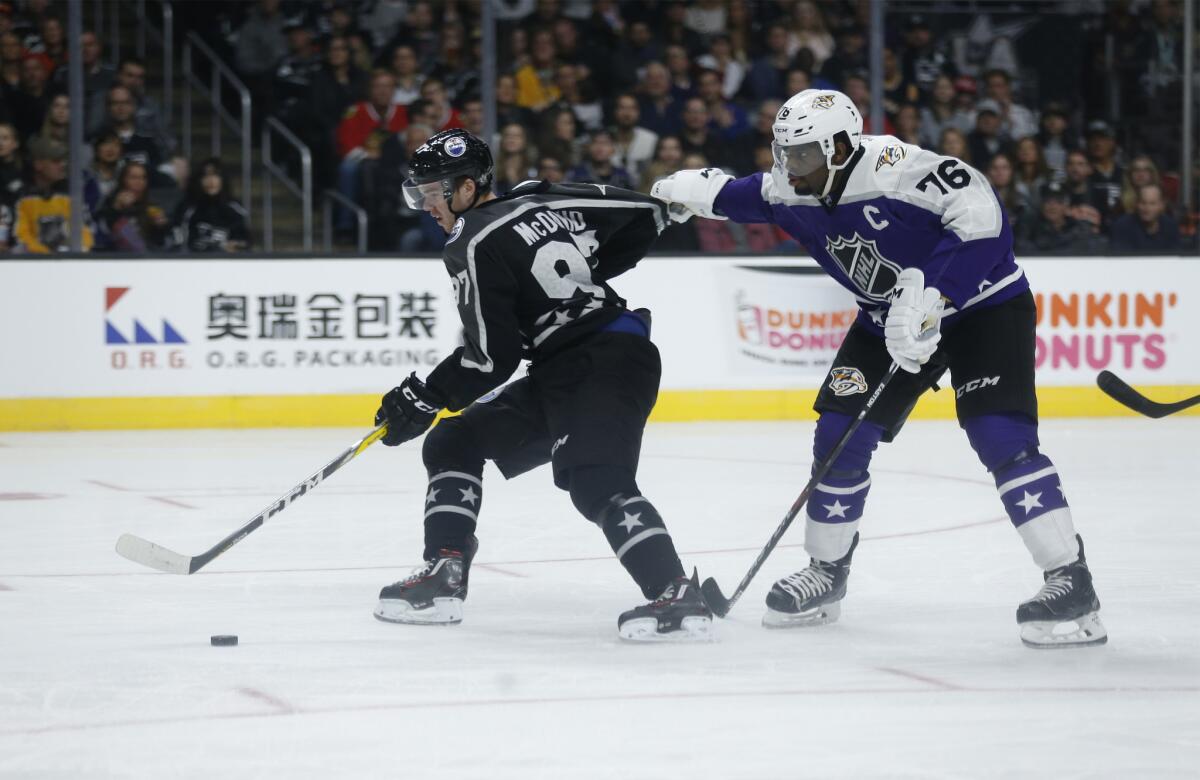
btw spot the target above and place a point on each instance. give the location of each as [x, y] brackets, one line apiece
[975, 384]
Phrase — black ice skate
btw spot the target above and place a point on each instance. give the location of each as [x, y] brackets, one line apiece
[811, 596]
[678, 615]
[433, 594]
[1064, 613]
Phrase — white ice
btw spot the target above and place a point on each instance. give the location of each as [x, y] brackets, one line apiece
[106, 668]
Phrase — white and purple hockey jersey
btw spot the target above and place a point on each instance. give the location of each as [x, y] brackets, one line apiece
[901, 207]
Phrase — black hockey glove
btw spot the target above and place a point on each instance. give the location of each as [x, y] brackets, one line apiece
[409, 410]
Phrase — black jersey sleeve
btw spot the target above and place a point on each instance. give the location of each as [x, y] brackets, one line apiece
[486, 293]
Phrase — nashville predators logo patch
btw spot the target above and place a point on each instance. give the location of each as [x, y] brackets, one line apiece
[890, 156]
[847, 381]
[823, 101]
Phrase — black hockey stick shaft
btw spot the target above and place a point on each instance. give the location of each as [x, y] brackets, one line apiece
[1120, 391]
[157, 557]
[712, 591]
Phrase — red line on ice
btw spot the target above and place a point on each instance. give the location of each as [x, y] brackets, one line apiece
[27, 496]
[920, 678]
[110, 486]
[171, 502]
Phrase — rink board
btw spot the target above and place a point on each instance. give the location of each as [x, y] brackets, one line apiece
[254, 343]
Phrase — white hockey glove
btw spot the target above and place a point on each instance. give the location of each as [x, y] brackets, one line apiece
[691, 192]
[914, 321]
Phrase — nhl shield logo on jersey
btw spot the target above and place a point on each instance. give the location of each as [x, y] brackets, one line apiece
[872, 273]
[844, 380]
[890, 155]
[823, 101]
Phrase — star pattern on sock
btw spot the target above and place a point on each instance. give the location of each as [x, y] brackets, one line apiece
[1030, 502]
[631, 521]
[836, 509]
[432, 496]
[469, 495]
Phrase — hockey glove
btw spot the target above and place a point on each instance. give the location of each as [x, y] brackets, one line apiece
[913, 326]
[691, 192]
[409, 410]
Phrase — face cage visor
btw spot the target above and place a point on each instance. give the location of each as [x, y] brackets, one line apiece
[430, 192]
[799, 160]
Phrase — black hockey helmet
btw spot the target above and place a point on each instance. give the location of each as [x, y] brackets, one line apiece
[445, 159]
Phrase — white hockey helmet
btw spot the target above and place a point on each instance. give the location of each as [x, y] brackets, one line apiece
[805, 130]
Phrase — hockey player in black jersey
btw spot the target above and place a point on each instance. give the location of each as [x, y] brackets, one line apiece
[530, 273]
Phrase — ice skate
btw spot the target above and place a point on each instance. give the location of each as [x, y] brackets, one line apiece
[811, 596]
[678, 615]
[1065, 612]
[433, 594]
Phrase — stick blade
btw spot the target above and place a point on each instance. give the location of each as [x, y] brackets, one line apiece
[715, 598]
[1120, 391]
[138, 550]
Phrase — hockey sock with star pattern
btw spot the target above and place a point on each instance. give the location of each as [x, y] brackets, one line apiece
[641, 542]
[837, 501]
[451, 509]
[1034, 500]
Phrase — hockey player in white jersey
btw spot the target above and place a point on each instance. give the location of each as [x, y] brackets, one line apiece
[922, 242]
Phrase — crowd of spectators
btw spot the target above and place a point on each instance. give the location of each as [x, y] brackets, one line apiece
[611, 92]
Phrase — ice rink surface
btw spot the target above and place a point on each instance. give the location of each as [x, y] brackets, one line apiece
[106, 668]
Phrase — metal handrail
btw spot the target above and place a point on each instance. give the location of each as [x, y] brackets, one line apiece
[165, 37]
[220, 71]
[328, 198]
[302, 190]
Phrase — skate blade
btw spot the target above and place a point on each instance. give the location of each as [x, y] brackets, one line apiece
[1052, 634]
[444, 612]
[697, 628]
[818, 616]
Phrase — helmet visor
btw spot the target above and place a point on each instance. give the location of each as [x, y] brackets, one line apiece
[799, 160]
[418, 195]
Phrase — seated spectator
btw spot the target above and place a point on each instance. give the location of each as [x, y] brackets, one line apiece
[1053, 232]
[659, 109]
[897, 89]
[54, 47]
[1088, 203]
[985, 140]
[808, 31]
[942, 112]
[97, 78]
[507, 110]
[1013, 195]
[953, 143]
[1107, 175]
[634, 144]
[1141, 171]
[338, 85]
[797, 80]
[536, 88]
[127, 221]
[100, 177]
[471, 116]
[726, 117]
[392, 225]
[697, 137]
[761, 134]
[559, 137]
[28, 104]
[852, 58]
[12, 182]
[57, 122]
[1016, 121]
[292, 88]
[579, 96]
[1149, 229]
[765, 78]
[858, 91]
[455, 66]
[11, 55]
[720, 58]
[135, 147]
[446, 117]
[908, 124]
[131, 74]
[419, 30]
[551, 169]
[1032, 171]
[378, 111]
[679, 65]
[1053, 138]
[261, 44]
[407, 73]
[597, 167]
[209, 219]
[42, 222]
[926, 61]
[668, 158]
[515, 160]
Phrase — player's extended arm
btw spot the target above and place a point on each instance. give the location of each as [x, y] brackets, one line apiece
[692, 192]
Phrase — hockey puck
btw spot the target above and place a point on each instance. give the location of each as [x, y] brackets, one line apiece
[223, 640]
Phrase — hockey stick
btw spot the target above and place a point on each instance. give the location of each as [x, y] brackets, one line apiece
[711, 590]
[150, 554]
[1123, 394]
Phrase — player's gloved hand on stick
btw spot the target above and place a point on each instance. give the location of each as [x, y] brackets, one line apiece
[914, 322]
[408, 410]
[691, 192]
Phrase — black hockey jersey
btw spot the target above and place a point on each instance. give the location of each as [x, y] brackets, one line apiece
[529, 272]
